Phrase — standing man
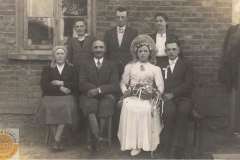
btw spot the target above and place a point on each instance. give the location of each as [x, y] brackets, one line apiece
[118, 41]
[98, 81]
[178, 101]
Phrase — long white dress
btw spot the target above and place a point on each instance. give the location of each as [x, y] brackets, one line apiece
[138, 129]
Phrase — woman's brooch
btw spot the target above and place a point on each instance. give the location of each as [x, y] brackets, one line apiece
[166, 71]
[142, 68]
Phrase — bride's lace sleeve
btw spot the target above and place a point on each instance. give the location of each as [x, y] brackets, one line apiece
[159, 79]
[124, 83]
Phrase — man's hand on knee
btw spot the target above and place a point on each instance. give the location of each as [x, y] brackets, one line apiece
[93, 92]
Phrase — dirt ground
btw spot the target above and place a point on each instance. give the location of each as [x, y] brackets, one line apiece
[32, 146]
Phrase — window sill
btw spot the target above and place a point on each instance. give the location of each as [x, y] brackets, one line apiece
[30, 56]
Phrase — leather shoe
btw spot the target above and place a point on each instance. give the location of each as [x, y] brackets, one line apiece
[55, 145]
[100, 143]
[93, 149]
[61, 146]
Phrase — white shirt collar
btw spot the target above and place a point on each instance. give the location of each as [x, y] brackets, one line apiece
[161, 35]
[175, 60]
[81, 39]
[121, 27]
[60, 68]
[96, 60]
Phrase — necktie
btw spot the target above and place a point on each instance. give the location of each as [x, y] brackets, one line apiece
[98, 65]
[159, 35]
[120, 30]
[172, 66]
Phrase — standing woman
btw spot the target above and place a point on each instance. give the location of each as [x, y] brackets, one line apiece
[142, 86]
[59, 82]
[160, 37]
[79, 47]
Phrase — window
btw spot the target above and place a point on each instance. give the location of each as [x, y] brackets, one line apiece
[50, 22]
[41, 24]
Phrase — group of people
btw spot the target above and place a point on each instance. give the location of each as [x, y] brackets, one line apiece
[146, 75]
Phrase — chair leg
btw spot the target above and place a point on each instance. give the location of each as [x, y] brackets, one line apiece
[70, 138]
[48, 135]
[88, 136]
[195, 134]
[200, 138]
[109, 131]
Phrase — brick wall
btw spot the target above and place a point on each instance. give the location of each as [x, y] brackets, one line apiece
[19, 80]
[200, 24]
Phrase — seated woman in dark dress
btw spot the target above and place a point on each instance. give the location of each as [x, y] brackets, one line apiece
[59, 82]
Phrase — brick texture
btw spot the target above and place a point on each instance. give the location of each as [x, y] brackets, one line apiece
[201, 26]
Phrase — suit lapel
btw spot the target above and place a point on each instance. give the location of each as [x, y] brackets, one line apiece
[114, 36]
[168, 36]
[154, 37]
[76, 43]
[164, 65]
[86, 41]
[56, 72]
[103, 69]
[125, 35]
[93, 71]
[169, 72]
[65, 70]
[177, 67]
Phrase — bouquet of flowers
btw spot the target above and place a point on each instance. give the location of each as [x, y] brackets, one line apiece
[145, 92]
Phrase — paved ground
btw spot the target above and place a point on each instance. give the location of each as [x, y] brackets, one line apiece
[32, 145]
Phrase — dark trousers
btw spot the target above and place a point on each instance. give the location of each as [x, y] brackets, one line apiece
[175, 118]
[102, 106]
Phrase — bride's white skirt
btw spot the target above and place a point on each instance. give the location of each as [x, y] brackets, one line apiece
[137, 128]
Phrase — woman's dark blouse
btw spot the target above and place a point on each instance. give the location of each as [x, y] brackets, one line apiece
[69, 77]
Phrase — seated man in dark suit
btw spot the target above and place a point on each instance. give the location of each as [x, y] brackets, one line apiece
[178, 77]
[98, 81]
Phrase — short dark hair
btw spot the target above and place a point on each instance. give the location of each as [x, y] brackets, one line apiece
[173, 41]
[178, 44]
[99, 41]
[79, 20]
[165, 17]
[121, 9]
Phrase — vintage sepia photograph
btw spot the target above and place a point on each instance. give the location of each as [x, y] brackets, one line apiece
[119, 79]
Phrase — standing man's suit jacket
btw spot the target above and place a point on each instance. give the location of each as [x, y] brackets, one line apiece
[107, 78]
[114, 52]
[181, 81]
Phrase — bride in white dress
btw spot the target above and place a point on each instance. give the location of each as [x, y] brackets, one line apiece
[142, 86]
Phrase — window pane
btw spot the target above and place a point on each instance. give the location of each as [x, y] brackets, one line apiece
[40, 31]
[40, 8]
[74, 8]
[66, 30]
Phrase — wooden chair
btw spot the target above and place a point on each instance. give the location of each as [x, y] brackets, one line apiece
[67, 133]
[197, 119]
[109, 133]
